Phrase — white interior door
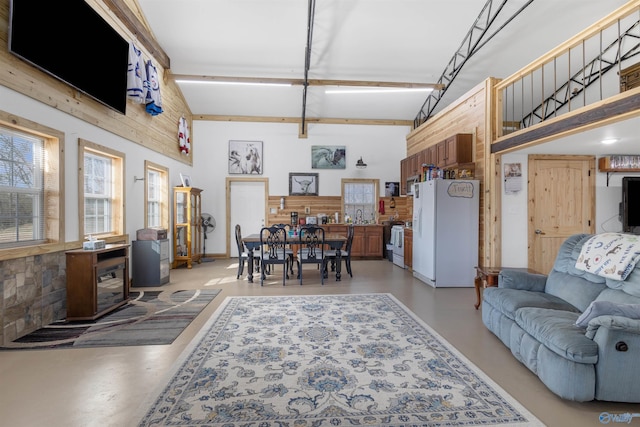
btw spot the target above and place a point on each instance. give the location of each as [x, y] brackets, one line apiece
[247, 208]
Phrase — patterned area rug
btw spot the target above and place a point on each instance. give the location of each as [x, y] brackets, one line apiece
[150, 318]
[347, 360]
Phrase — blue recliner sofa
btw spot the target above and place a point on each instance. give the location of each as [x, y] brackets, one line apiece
[577, 328]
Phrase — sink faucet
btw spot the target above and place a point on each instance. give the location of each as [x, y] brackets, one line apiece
[359, 216]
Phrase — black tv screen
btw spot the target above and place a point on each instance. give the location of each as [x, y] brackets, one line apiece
[72, 42]
[631, 204]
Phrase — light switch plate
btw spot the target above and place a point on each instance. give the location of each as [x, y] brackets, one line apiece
[307, 210]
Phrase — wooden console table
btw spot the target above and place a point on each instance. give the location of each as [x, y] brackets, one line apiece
[488, 276]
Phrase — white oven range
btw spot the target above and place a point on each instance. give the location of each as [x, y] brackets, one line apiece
[397, 240]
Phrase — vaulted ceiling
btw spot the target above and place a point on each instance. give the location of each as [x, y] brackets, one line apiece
[359, 41]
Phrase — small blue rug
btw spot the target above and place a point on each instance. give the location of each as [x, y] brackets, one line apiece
[337, 360]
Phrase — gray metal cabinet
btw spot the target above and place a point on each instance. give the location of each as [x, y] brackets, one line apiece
[150, 261]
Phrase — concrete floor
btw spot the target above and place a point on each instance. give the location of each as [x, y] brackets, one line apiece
[105, 386]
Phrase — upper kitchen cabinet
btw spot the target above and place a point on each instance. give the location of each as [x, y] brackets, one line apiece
[454, 150]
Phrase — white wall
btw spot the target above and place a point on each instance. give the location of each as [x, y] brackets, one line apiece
[514, 211]
[381, 147]
[73, 129]
[514, 217]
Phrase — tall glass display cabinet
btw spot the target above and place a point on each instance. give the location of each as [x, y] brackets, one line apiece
[187, 240]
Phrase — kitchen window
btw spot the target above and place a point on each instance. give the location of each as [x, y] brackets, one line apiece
[360, 200]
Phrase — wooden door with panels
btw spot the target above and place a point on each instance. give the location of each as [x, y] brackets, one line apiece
[561, 203]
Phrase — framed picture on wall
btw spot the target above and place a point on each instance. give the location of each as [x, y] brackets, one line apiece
[303, 184]
[392, 189]
[328, 157]
[245, 157]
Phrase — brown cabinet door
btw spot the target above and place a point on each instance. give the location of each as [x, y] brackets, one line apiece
[374, 242]
[420, 160]
[408, 248]
[404, 174]
[441, 154]
[458, 149]
[413, 165]
[431, 156]
[358, 244]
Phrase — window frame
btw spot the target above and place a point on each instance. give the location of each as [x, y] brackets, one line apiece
[164, 193]
[52, 190]
[118, 212]
[374, 205]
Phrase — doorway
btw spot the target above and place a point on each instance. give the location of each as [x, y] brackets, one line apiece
[246, 205]
[561, 203]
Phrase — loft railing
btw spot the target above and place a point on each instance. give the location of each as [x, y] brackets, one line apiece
[582, 71]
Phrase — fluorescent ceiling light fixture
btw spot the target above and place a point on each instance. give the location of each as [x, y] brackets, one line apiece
[379, 90]
[609, 141]
[219, 82]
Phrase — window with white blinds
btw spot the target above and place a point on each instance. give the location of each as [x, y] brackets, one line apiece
[156, 195]
[101, 185]
[21, 188]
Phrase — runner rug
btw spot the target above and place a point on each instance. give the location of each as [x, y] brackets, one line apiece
[333, 360]
[149, 318]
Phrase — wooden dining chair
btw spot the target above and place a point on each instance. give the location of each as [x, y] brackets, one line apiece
[345, 254]
[273, 245]
[311, 249]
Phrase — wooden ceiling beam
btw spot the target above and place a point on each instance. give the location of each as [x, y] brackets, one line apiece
[296, 120]
[142, 35]
[310, 82]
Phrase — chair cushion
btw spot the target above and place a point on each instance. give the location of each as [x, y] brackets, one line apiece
[556, 330]
[333, 254]
[279, 256]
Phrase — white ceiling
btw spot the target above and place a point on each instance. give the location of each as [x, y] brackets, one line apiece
[364, 40]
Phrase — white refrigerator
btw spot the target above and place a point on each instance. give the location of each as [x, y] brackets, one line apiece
[445, 232]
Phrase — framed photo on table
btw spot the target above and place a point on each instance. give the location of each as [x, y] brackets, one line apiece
[303, 184]
[186, 180]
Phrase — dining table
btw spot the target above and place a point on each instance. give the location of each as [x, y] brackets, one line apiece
[334, 241]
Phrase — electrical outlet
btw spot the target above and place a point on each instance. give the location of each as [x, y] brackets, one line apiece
[307, 210]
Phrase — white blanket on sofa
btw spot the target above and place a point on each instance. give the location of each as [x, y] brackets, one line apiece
[611, 255]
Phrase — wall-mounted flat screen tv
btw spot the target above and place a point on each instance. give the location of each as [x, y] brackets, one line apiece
[631, 204]
[72, 42]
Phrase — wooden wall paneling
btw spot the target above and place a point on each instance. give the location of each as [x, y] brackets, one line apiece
[467, 115]
[329, 205]
[491, 218]
[158, 133]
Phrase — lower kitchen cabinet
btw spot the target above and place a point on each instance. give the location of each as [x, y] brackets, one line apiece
[408, 248]
[367, 239]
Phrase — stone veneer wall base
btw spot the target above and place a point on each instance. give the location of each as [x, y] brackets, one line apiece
[34, 294]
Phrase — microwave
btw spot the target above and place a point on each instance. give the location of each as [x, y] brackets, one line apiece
[410, 181]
